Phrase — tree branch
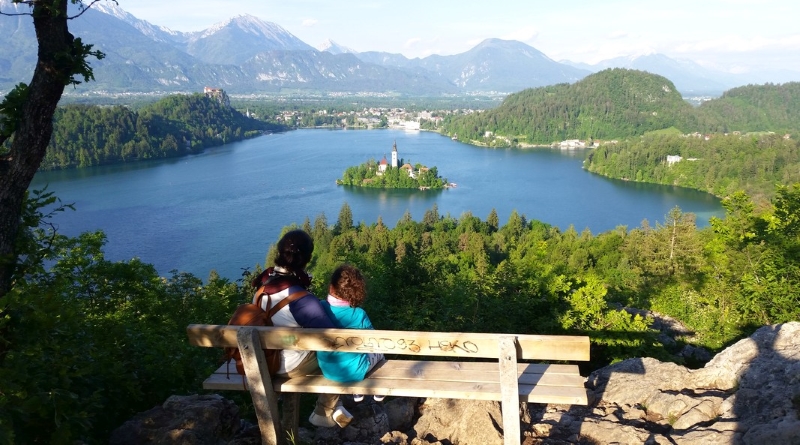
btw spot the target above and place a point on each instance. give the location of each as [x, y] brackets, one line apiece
[84, 8]
[10, 14]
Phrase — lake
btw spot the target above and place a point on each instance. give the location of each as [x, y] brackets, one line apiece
[223, 208]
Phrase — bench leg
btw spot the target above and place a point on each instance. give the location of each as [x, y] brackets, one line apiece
[509, 389]
[291, 413]
[259, 382]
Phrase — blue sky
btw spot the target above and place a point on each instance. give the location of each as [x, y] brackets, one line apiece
[728, 35]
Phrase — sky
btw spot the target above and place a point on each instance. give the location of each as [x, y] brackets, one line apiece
[736, 36]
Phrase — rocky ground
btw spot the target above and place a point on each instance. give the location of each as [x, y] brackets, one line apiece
[747, 394]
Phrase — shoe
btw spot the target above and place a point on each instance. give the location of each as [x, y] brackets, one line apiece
[378, 398]
[321, 421]
[342, 417]
[358, 398]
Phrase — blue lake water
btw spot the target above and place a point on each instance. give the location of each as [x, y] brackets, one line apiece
[223, 208]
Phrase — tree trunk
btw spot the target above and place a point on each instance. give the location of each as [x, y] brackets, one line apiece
[18, 166]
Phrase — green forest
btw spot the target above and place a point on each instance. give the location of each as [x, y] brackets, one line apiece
[369, 175]
[610, 104]
[88, 135]
[620, 103]
[116, 330]
[718, 164]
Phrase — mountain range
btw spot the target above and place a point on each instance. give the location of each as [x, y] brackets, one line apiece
[246, 55]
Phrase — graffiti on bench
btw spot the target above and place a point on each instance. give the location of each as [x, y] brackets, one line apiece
[367, 344]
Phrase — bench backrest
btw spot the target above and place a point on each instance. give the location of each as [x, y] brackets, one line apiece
[443, 344]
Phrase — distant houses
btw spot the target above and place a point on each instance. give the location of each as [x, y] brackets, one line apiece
[572, 144]
[671, 159]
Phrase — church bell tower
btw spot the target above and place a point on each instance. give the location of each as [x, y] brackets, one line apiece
[394, 155]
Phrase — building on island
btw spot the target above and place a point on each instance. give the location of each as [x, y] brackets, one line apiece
[384, 164]
[409, 169]
[394, 155]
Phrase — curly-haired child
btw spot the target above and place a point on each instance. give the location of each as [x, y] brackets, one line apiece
[346, 293]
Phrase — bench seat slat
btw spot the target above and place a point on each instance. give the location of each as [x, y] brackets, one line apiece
[491, 366]
[487, 373]
[412, 388]
[456, 380]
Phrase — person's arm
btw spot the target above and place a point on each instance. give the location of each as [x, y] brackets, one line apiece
[308, 313]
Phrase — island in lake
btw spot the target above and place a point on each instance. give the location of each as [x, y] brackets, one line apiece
[393, 175]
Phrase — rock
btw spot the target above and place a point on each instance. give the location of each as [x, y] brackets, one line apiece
[603, 432]
[703, 412]
[748, 393]
[401, 412]
[634, 414]
[783, 431]
[708, 436]
[695, 353]
[461, 421]
[370, 424]
[185, 420]
[633, 381]
[395, 437]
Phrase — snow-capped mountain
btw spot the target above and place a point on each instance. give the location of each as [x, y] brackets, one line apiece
[240, 38]
[157, 33]
[334, 48]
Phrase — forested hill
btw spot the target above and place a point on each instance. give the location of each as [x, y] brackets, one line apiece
[717, 164]
[751, 108]
[607, 105]
[85, 135]
[620, 103]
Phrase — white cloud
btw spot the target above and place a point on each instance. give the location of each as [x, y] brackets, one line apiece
[310, 22]
[410, 43]
[526, 34]
[739, 44]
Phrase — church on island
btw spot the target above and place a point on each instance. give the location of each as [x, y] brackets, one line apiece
[395, 163]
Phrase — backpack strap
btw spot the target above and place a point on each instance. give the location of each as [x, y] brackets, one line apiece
[294, 296]
[270, 314]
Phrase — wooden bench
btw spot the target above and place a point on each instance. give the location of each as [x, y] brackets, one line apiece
[503, 379]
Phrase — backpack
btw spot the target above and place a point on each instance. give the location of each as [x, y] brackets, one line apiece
[251, 314]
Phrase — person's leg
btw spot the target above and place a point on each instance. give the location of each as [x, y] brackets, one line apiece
[328, 411]
[374, 359]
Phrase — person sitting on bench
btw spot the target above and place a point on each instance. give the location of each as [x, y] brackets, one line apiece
[287, 277]
[346, 293]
